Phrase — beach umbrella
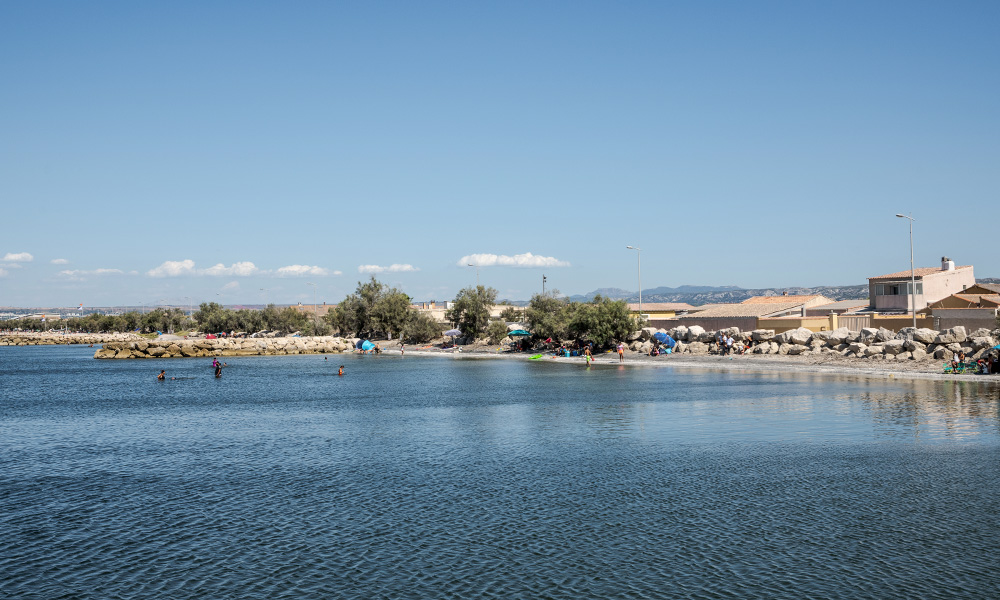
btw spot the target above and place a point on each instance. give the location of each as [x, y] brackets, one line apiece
[518, 333]
[453, 332]
[660, 336]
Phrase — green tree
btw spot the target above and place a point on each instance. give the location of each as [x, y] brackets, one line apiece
[548, 315]
[471, 310]
[421, 328]
[373, 308]
[602, 321]
[497, 331]
[511, 314]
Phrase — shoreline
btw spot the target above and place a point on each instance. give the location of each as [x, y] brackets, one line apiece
[749, 363]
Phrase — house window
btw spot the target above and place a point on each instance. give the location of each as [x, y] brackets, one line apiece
[898, 289]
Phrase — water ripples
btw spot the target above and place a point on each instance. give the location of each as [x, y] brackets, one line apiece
[535, 488]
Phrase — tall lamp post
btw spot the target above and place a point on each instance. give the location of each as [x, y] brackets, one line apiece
[477, 273]
[543, 284]
[638, 254]
[913, 276]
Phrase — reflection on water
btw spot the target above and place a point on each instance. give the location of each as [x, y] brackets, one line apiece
[430, 478]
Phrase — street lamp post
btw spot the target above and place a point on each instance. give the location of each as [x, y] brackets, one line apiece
[543, 284]
[638, 254]
[477, 273]
[913, 276]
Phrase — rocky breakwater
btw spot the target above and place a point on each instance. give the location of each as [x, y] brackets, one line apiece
[876, 344]
[28, 338]
[224, 347]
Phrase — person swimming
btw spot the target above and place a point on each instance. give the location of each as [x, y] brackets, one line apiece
[161, 376]
[218, 371]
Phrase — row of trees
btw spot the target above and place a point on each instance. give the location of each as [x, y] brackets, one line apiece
[160, 319]
[602, 321]
[213, 317]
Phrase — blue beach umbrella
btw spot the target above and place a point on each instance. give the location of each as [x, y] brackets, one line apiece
[660, 336]
[518, 333]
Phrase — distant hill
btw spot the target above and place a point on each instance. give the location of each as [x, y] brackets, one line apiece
[696, 295]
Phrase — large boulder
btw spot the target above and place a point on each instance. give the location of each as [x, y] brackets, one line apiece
[694, 332]
[874, 350]
[978, 343]
[981, 332]
[733, 332]
[953, 335]
[697, 348]
[912, 345]
[839, 335]
[918, 354]
[800, 336]
[894, 347]
[924, 335]
[762, 335]
[868, 335]
[794, 349]
[679, 333]
[646, 333]
[884, 335]
[857, 348]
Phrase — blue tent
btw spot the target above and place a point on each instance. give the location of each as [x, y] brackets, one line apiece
[664, 339]
[364, 345]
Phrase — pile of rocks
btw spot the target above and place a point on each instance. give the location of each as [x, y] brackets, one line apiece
[879, 344]
[225, 347]
[31, 338]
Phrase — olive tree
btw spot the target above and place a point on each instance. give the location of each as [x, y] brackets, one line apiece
[471, 310]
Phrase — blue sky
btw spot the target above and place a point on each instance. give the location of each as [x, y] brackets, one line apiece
[171, 151]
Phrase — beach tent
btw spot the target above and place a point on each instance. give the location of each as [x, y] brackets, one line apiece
[366, 345]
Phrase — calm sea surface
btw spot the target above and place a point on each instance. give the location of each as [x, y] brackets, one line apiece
[437, 478]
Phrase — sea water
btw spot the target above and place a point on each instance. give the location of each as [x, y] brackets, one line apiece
[435, 477]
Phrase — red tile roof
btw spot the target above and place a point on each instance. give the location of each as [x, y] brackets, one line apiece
[919, 273]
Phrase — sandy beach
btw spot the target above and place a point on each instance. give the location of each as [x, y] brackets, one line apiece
[827, 364]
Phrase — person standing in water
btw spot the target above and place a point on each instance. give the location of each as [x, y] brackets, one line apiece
[218, 371]
[161, 376]
[341, 371]
[586, 353]
[621, 352]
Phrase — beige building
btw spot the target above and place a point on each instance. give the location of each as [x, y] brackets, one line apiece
[892, 292]
[658, 311]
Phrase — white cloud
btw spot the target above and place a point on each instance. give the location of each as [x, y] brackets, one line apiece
[389, 269]
[302, 270]
[173, 268]
[18, 257]
[176, 268]
[231, 286]
[12, 266]
[240, 269]
[518, 260]
[80, 274]
[59, 261]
